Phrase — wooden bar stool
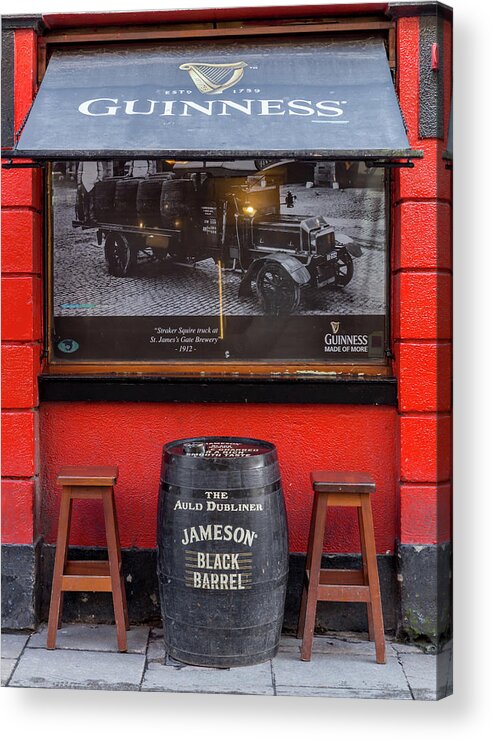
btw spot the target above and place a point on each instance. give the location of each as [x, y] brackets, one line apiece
[323, 584]
[88, 575]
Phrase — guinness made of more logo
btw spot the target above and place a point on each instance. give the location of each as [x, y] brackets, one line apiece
[344, 343]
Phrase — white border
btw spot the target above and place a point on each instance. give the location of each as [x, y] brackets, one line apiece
[75, 714]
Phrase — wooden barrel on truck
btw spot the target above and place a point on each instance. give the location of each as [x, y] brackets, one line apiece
[178, 209]
[222, 550]
[178, 202]
[149, 199]
[125, 200]
[104, 192]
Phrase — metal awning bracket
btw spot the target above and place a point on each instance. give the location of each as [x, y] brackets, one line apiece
[407, 164]
[11, 165]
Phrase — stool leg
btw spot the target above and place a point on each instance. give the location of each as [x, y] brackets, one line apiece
[114, 570]
[365, 572]
[372, 568]
[60, 611]
[315, 565]
[54, 619]
[309, 555]
[123, 590]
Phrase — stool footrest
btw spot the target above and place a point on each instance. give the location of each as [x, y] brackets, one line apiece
[340, 577]
[86, 583]
[86, 568]
[343, 593]
[336, 584]
[86, 575]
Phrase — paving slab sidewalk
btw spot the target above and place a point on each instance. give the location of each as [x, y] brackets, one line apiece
[342, 665]
[12, 647]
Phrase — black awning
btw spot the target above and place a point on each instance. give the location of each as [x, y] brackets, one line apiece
[282, 97]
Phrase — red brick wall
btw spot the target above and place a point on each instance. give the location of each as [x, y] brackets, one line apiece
[21, 320]
[422, 225]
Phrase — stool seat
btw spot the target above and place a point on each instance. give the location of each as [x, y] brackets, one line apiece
[329, 481]
[349, 489]
[88, 482]
[87, 475]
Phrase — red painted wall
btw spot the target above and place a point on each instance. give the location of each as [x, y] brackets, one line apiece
[21, 320]
[421, 306]
[131, 436]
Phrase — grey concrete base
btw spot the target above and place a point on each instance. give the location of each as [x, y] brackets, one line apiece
[20, 582]
[342, 666]
[425, 591]
[139, 567]
[419, 606]
[341, 616]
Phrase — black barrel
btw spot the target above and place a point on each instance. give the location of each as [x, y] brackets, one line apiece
[104, 191]
[222, 551]
[149, 199]
[178, 203]
[125, 200]
[179, 210]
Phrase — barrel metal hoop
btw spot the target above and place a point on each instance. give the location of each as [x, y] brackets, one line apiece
[244, 628]
[275, 487]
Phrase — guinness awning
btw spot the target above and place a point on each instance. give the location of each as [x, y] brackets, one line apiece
[244, 98]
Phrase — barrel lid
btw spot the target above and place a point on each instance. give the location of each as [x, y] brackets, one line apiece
[219, 448]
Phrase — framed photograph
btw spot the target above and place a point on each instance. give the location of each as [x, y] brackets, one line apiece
[229, 261]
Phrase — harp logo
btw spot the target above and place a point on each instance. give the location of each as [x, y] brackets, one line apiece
[335, 326]
[212, 79]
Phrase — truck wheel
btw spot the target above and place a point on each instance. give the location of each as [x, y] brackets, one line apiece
[121, 256]
[344, 268]
[278, 292]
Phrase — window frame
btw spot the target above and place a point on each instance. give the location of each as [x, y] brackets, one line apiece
[203, 368]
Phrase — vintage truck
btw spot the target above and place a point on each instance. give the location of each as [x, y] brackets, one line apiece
[236, 221]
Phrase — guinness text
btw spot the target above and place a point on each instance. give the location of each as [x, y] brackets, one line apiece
[322, 109]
